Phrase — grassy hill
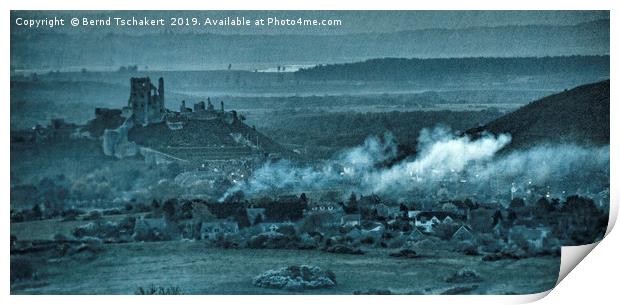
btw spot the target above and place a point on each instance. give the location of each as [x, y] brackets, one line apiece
[579, 115]
[204, 138]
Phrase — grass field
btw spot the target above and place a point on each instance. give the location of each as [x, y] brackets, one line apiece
[198, 269]
[46, 229]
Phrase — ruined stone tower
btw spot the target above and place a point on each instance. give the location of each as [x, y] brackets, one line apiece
[146, 101]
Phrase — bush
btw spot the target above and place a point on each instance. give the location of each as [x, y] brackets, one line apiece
[127, 224]
[367, 240]
[22, 269]
[274, 240]
[112, 212]
[467, 248]
[406, 253]
[143, 233]
[342, 249]
[373, 292]
[71, 213]
[296, 278]
[93, 215]
[465, 275]
[152, 290]
[228, 241]
[500, 255]
[99, 229]
[286, 230]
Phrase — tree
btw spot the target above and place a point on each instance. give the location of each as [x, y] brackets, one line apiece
[352, 206]
[512, 216]
[241, 216]
[169, 208]
[258, 219]
[517, 203]
[497, 217]
[303, 198]
[586, 222]
[37, 213]
[186, 209]
[543, 208]
[445, 231]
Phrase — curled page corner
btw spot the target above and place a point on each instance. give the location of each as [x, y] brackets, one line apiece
[571, 256]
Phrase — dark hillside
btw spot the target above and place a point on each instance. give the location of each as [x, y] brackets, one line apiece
[579, 115]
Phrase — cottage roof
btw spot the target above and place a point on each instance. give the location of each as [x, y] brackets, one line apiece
[463, 233]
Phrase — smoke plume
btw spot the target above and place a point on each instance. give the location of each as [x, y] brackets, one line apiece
[445, 165]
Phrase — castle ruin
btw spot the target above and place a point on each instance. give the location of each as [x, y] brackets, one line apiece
[146, 102]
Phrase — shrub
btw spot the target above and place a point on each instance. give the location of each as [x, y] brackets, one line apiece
[367, 240]
[99, 229]
[152, 290]
[127, 224]
[112, 212]
[467, 248]
[407, 253]
[296, 278]
[344, 250]
[373, 292]
[71, 213]
[286, 230]
[464, 275]
[22, 269]
[93, 215]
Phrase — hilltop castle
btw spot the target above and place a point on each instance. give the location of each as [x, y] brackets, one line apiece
[146, 105]
[195, 135]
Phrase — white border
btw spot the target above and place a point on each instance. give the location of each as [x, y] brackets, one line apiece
[598, 281]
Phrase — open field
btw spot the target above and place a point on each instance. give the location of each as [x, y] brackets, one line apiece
[45, 229]
[199, 269]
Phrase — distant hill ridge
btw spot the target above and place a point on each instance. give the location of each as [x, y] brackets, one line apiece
[34, 50]
[445, 69]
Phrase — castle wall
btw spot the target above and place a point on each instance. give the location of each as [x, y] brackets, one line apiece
[146, 101]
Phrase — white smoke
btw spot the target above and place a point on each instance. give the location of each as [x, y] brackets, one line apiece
[443, 160]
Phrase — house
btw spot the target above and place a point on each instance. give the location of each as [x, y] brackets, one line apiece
[156, 224]
[376, 233]
[415, 236]
[152, 228]
[411, 214]
[424, 224]
[463, 234]
[212, 229]
[350, 220]
[426, 220]
[266, 227]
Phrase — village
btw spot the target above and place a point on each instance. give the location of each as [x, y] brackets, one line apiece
[297, 222]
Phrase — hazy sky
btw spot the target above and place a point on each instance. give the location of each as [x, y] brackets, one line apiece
[353, 21]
